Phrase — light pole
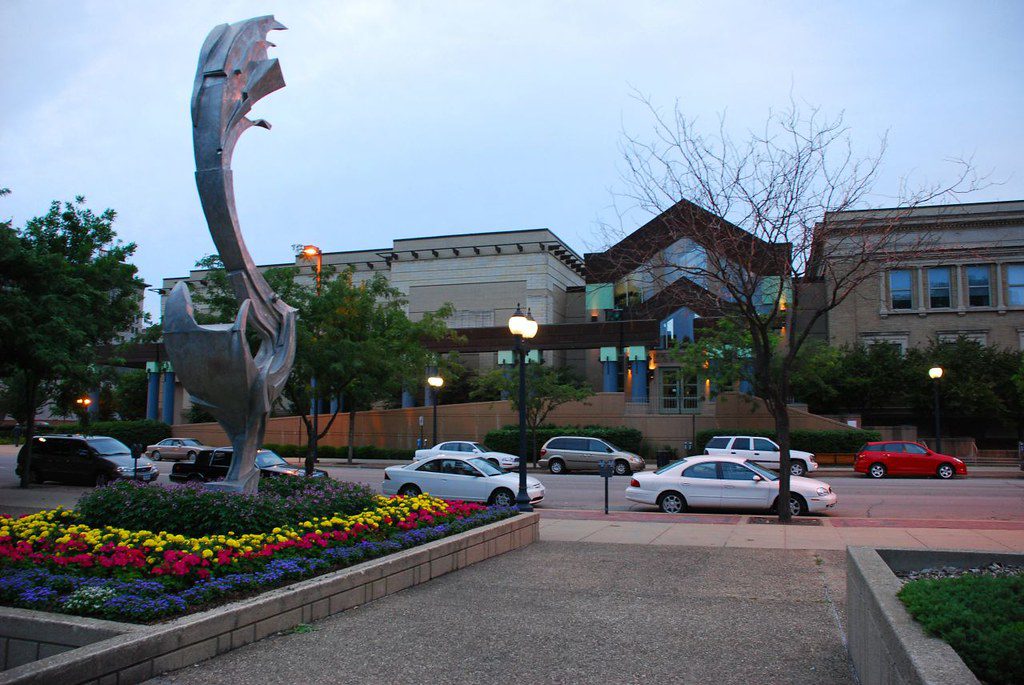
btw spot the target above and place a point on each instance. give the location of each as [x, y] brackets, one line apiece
[936, 373]
[523, 328]
[314, 252]
[83, 406]
[435, 382]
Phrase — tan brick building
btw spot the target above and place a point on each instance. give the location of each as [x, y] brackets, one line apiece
[962, 274]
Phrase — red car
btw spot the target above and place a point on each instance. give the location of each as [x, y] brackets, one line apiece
[880, 459]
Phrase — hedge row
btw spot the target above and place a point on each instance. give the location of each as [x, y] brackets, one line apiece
[329, 452]
[816, 442]
[507, 439]
[144, 432]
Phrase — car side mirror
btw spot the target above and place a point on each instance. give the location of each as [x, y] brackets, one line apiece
[83, 453]
[757, 478]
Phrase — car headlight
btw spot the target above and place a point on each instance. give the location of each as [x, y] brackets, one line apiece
[125, 469]
[822, 491]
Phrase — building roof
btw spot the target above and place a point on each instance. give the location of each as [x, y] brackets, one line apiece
[961, 214]
[682, 220]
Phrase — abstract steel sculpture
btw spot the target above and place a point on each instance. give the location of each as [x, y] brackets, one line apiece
[214, 362]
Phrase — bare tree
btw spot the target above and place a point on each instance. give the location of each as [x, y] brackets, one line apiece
[745, 227]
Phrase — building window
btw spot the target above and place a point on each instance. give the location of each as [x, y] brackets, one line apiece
[978, 286]
[980, 337]
[901, 289]
[678, 392]
[938, 288]
[897, 340]
[1015, 284]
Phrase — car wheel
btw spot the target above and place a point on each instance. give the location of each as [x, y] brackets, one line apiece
[409, 490]
[196, 478]
[622, 469]
[502, 497]
[797, 505]
[946, 471]
[797, 468]
[672, 503]
[155, 456]
[557, 466]
[876, 470]
[102, 480]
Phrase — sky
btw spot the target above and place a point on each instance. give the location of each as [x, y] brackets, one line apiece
[409, 119]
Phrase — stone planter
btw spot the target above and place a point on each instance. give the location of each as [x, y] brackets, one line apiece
[71, 650]
[886, 644]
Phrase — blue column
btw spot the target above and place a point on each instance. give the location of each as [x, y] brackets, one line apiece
[153, 394]
[639, 381]
[168, 406]
[428, 396]
[610, 376]
[94, 405]
[334, 405]
[408, 400]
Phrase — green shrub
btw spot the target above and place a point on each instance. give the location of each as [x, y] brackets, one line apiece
[815, 442]
[981, 617]
[507, 439]
[144, 432]
[330, 452]
[192, 510]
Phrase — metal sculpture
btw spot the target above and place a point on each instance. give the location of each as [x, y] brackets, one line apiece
[214, 362]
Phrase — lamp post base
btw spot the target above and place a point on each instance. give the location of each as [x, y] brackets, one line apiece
[523, 502]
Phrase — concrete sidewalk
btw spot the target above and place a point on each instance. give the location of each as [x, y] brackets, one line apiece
[563, 612]
[728, 531]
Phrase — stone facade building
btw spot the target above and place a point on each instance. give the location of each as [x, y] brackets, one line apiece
[953, 270]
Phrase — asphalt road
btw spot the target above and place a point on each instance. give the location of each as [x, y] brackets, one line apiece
[999, 499]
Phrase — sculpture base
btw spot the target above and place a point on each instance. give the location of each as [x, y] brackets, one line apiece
[248, 485]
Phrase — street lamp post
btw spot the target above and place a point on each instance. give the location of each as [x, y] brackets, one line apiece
[523, 328]
[435, 382]
[936, 373]
[314, 252]
[83, 405]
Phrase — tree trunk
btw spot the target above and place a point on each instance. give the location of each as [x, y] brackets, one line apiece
[31, 388]
[781, 412]
[351, 433]
[310, 442]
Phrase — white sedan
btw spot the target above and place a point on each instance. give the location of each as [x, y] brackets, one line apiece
[725, 482]
[468, 448]
[472, 479]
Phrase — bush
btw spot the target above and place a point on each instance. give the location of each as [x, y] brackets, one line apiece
[507, 439]
[981, 617]
[191, 510]
[815, 442]
[330, 452]
[144, 432]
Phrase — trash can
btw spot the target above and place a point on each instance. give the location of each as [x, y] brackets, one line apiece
[664, 457]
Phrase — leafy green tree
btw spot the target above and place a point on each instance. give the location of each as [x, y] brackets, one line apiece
[721, 354]
[129, 395]
[68, 286]
[546, 388]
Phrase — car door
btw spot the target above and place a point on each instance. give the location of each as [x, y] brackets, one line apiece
[81, 460]
[575, 451]
[701, 485]
[457, 480]
[741, 489]
[49, 457]
[765, 452]
[740, 447]
[918, 461]
[428, 477]
[598, 451]
[894, 458]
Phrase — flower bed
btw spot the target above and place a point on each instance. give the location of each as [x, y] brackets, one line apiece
[52, 561]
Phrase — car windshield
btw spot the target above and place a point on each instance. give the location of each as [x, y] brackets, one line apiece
[768, 475]
[482, 447]
[190, 442]
[487, 467]
[674, 464]
[266, 458]
[108, 446]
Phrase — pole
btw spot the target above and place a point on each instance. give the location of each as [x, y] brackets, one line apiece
[522, 498]
[938, 433]
[316, 395]
[433, 396]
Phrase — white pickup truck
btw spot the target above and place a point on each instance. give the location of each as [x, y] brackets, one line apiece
[466, 448]
[760, 451]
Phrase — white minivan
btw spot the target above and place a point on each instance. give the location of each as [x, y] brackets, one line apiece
[761, 451]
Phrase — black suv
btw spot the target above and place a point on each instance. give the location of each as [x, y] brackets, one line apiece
[79, 458]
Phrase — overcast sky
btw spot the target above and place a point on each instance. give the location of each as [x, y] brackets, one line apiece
[406, 119]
